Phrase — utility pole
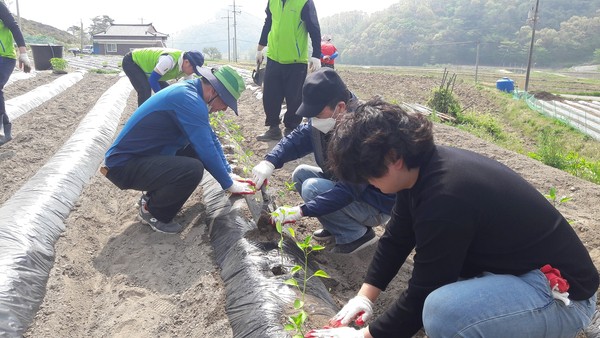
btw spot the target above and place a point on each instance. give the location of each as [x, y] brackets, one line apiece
[81, 34]
[477, 61]
[235, 54]
[19, 16]
[534, 20]
[228, 38]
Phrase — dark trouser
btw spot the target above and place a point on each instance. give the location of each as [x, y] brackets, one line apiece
[7, 65]
[283, 81]
[168, 180]
[330, 65]
[139, 79]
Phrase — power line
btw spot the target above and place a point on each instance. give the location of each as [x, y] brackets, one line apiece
[534, 19]
[234, 11]
[228, 38]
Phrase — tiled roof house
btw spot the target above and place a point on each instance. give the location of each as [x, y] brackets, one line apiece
[118, 39]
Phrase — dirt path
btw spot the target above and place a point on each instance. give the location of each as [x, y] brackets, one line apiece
[114, 277]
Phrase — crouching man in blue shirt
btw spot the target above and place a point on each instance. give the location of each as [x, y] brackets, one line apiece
[167, 143]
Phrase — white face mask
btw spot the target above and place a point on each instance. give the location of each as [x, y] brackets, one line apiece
[327, 124]
[323, 125]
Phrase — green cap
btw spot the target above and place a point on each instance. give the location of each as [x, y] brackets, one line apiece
[227, 82]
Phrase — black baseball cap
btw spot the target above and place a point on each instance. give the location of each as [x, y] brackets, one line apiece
[320, 87]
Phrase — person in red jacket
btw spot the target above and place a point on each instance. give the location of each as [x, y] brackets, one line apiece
[328, 52]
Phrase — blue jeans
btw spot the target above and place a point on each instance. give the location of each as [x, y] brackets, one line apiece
[347, 224]
[503, 306]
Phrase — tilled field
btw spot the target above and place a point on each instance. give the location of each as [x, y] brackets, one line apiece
[114, 277]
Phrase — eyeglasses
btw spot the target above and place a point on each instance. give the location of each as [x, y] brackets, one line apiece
[218, 107]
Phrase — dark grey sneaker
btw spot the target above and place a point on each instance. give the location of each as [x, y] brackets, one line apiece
[5, 139]
[322, 235]
[156, 225]
[366, 240]
[287, 131]
[273, 134]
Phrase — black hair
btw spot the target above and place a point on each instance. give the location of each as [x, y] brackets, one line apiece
[376, 134]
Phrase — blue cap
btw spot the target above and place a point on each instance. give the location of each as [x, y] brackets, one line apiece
[195, 58]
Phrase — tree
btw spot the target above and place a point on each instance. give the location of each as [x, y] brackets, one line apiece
[74, 30]
[597, 55]
[100, 24]
[212, 53]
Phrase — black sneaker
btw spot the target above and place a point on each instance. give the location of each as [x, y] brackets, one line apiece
[273, 134]
[322, 235]
[156, 225]
[366, 240]
[287, 131]
[5, 139]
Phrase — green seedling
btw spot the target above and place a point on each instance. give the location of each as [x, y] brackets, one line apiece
[297, 322]
[553, 197]
[290, 186]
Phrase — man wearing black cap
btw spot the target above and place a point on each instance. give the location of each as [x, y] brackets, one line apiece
[149, 69]
[347, 212]
[167, 143]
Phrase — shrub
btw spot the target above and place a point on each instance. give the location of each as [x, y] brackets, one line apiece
[59, 65]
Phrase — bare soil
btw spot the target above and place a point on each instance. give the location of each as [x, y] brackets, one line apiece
[114, 277]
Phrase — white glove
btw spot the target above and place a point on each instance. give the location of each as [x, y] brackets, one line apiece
[259, 57]
[359, 308]
[285, 215]
[261, 172]
[241, 188]
[237, 177]
[314, 64]
[340, 332]
[24, 62]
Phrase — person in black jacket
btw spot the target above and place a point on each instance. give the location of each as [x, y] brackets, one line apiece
[10, 34]
[493, 257]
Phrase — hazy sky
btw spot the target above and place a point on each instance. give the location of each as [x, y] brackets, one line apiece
[167, 16]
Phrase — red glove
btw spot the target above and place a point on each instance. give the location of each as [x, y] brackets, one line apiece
[555, 278]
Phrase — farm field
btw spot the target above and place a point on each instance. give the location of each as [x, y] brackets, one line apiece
[113, 276]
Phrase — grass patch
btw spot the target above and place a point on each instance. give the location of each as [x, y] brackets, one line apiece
[104, 71]
[551, 152]
[585, 93]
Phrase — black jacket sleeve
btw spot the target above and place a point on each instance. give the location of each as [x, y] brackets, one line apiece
[309, 15]
[264, 35]
[10, 22]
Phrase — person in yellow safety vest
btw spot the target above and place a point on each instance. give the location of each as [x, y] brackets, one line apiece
[149, 69]
[285, 33]
[10, 33]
